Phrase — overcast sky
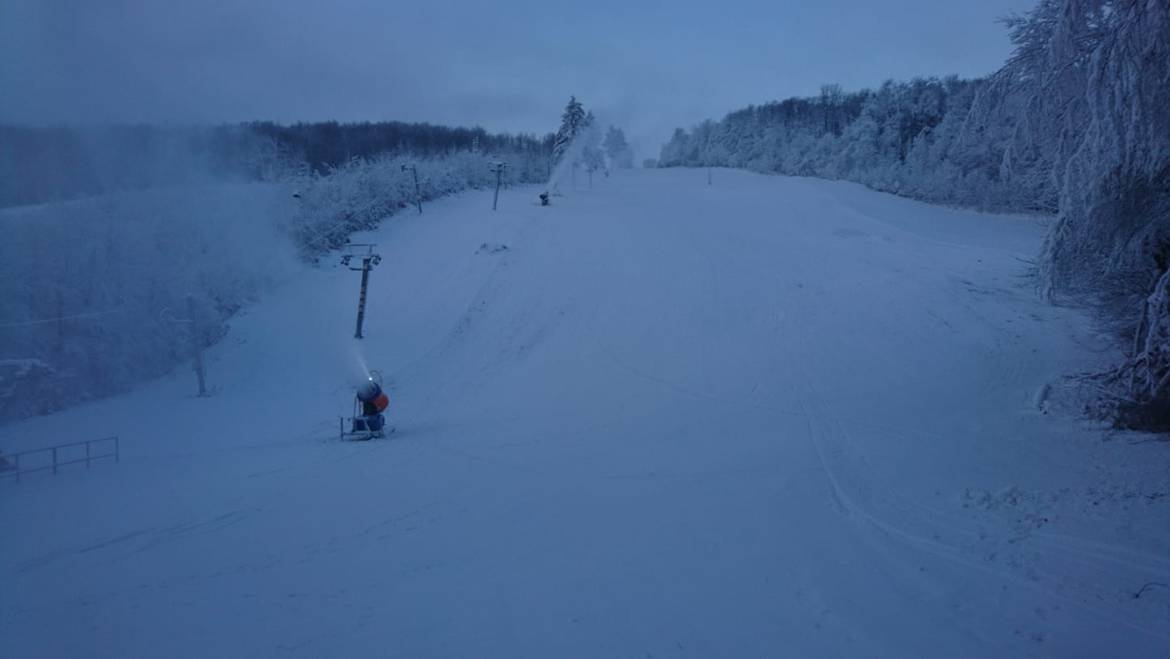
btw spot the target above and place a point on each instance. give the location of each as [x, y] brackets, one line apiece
[502, 64]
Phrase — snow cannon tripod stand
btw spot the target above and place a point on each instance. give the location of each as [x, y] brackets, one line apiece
[367, 421]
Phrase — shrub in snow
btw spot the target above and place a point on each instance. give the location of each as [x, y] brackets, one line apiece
[18, 376]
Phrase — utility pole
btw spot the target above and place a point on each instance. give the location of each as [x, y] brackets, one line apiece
[417, 193]
[708, 176]
[498, 168]
[364, 251]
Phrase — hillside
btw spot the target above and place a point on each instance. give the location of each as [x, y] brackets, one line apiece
[770, 416]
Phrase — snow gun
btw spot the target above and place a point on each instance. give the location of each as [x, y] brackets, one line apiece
[367, 421]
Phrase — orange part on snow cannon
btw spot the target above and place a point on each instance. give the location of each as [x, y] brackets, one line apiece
[382, 402]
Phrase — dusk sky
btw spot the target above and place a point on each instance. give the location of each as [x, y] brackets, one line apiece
[507, 66]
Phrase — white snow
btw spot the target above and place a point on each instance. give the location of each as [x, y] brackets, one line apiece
[768, 417]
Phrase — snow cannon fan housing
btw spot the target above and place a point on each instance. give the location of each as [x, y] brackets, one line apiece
[371, 392]
[368, 391]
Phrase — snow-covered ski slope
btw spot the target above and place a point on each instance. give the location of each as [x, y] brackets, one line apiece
[768, 417]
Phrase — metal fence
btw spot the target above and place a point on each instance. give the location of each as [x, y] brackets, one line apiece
[51, 458]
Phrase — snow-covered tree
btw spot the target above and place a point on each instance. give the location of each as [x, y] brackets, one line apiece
[617, 149]
[572, 122]
[1113, 237]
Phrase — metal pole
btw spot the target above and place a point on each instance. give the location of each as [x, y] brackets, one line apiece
[417, 192]
[499, 173]
[708, 176]
[361, 315]
[196, 347]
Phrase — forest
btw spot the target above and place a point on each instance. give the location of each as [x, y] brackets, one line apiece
[39, 164]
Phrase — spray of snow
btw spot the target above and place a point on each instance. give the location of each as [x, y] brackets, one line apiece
[574, 156]
[363, 366]
[564, 170]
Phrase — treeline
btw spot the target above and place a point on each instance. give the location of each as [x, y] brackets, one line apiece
[1077, 122]
[42, 164]
[329, 144]
[912, 138]
[360, 193]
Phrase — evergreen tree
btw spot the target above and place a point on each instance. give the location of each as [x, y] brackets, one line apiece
[617, 149]
[572, 122]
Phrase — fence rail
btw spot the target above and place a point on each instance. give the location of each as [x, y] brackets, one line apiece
[57, 460]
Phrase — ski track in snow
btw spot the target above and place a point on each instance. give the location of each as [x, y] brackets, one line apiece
[773, 416]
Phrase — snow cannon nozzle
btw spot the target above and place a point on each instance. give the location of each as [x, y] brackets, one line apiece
[369, 391]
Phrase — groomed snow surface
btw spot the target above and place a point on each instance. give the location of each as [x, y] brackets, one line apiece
[767, 417]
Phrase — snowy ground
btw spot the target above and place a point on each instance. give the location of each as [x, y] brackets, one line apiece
[770, 417]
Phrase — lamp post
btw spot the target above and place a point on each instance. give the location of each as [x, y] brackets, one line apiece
[364, 251]
[417, 193]
[498, 168]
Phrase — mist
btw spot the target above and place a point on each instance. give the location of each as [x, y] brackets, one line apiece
[505, 66]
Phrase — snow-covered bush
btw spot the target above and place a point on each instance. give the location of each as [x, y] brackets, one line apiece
[925, 138]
